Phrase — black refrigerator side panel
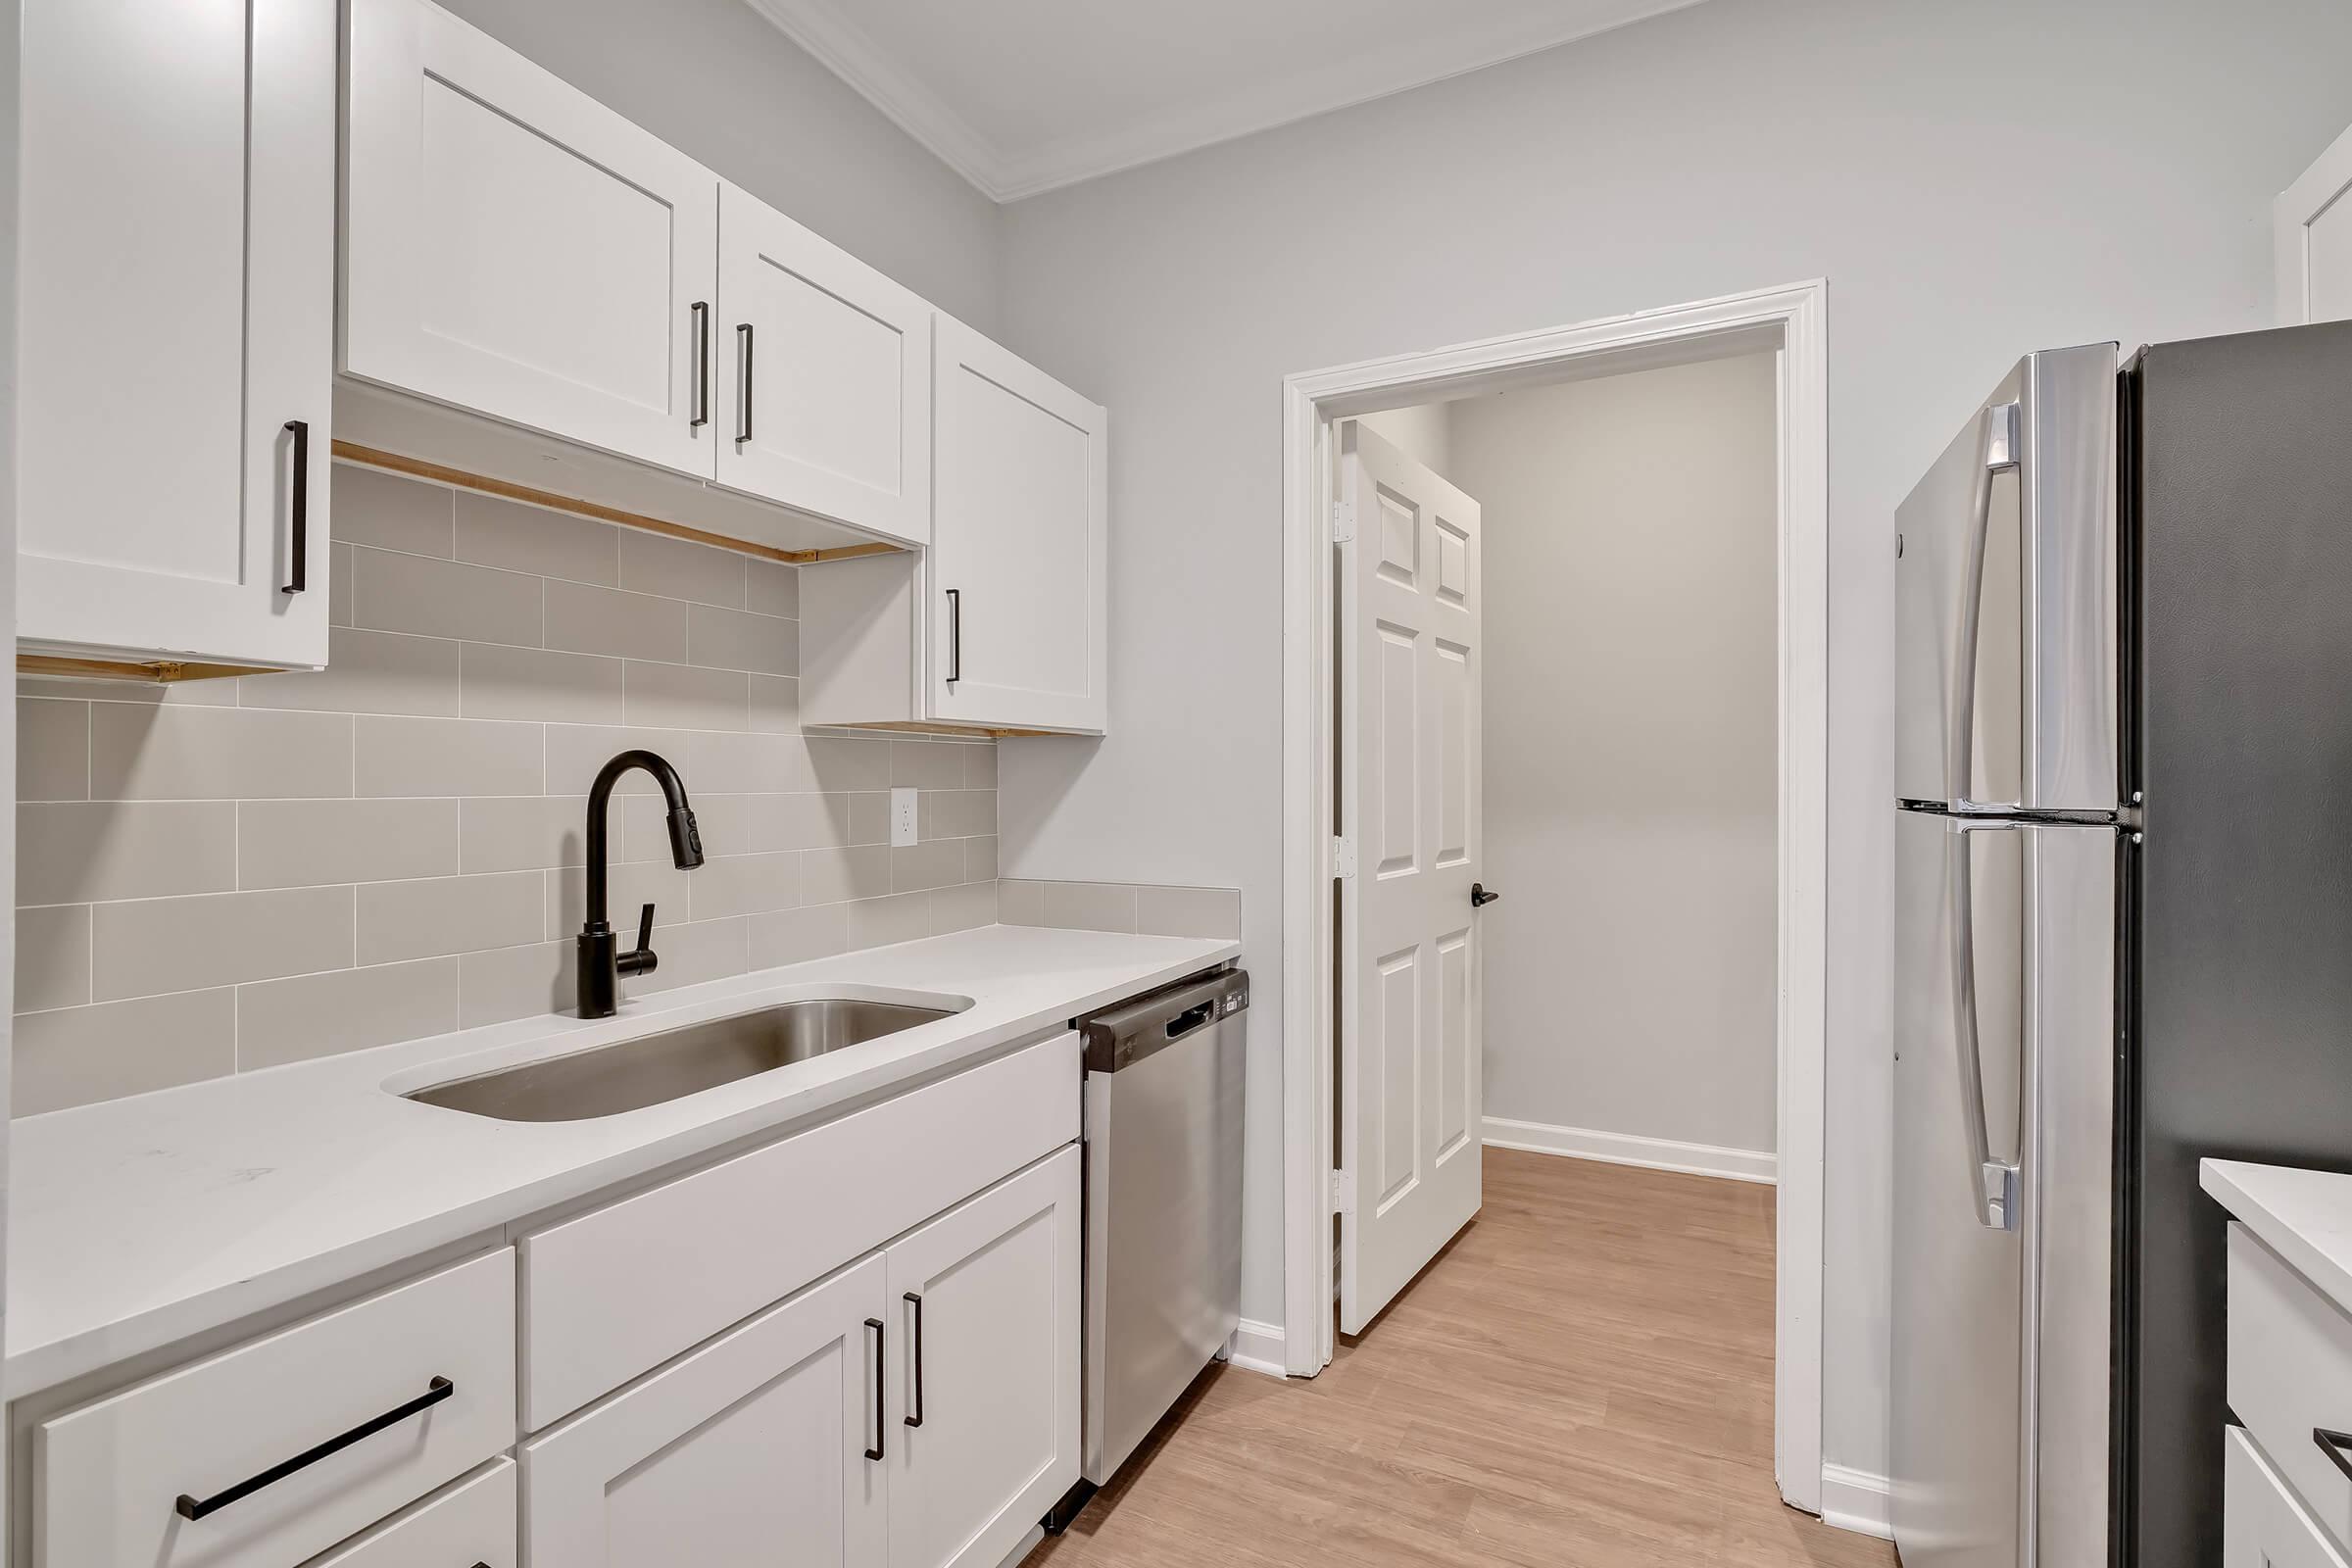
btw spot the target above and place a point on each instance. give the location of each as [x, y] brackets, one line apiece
[2245, 1034]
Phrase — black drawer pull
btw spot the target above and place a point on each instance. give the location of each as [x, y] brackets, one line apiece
[2333, 1445]
[435, 1392]
[298, 545]
[916, 1362]
[874, 1326]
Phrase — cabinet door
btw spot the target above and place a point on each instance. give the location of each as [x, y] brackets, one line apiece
[823, 389]
[752, 1450]
[1017, 586]
[513, 247]
[177, 233]
[984, 1410]
[2264, 1524]
[2314, 236]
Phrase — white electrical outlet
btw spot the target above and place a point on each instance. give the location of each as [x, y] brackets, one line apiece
[903, 824]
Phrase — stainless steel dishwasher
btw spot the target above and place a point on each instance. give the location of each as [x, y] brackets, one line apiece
[1163, 1208]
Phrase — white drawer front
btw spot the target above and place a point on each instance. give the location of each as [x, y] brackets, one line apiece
[2290, 1372]
[107, 1476]
[2263, 1525]
[471, 1525]
[619, 1291]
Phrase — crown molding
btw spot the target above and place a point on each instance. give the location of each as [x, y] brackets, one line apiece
[1340, 83]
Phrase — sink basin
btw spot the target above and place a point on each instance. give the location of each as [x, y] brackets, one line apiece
[635, 1073]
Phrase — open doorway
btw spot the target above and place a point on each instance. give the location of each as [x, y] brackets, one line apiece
[1653, 695]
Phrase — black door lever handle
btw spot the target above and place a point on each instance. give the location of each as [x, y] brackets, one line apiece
[1480, 898]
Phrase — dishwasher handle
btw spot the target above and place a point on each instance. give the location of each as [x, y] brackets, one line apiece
[1140, 1027]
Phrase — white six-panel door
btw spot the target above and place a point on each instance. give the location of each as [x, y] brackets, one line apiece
[1411, 672]
[749, 1452]
[1016, 577]
[513, 246]
[177, 252]
[836, 360]
[2314, 236]
[992, 1443]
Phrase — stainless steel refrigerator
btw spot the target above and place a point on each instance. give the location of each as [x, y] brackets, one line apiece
[2123, 924]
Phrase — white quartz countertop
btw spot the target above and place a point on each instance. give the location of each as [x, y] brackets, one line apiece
[2305, 1216]
[140, 1222]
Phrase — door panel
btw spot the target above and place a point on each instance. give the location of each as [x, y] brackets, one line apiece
[1409, 1069]
[1016, 570]
[513, 247]
[754, 1445]
[839, 362]
[181, 168]
[992, 1443]
[2005, 668]
[2004, 935]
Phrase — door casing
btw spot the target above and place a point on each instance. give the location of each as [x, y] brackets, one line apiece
[1791, 322]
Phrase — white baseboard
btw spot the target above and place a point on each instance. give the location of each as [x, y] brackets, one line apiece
[1856, 1500]
[1623, 1149]
[1259, 1348]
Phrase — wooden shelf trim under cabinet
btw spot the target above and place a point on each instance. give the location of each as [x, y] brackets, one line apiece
[507, 490]
[158, 670]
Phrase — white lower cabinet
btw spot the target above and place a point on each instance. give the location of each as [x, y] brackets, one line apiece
[2264, 1525]
[987, 1394]
[469, 1524]
[758, 1447]
[920, 1408]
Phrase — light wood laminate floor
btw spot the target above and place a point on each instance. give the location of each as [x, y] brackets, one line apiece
[1582, 1380]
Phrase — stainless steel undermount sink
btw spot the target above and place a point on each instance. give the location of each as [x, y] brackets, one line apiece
[631, 1074]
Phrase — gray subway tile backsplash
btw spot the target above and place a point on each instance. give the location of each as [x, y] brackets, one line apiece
[229, 875]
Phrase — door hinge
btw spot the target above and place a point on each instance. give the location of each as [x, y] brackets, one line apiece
[1343, 858]
[1342, 1191]
[1342, 523]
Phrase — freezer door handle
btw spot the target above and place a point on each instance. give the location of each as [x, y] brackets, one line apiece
[1994, 1181]
[1997, 448]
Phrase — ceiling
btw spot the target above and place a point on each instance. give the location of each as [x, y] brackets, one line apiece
[1020, 96]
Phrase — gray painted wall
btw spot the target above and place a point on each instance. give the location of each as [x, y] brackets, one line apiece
[1629, 534]
[1973, 181]
[716, 80]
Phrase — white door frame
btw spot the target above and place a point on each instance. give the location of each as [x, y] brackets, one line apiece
[1791, 320]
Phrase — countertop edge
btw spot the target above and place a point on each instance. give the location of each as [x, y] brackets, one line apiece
[33, 1369]
[2313, 1234]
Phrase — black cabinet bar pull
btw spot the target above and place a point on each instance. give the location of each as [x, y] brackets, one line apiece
[298, 565]
[881, 1421]
[954, 635]
[701, 390]
[193, 1508]
[743, 382]
[2333, 1445]
[916, 1364]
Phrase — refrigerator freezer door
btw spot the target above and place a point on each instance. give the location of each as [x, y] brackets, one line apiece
[2004, 1087]
[2005, 600]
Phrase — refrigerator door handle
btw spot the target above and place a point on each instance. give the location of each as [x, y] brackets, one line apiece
[1993, 1181]
[1998, 447]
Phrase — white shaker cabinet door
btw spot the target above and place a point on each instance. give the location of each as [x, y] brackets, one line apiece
[1017, 585]
[984, 1397]
[177, 259]
[769, 1445]
[823, 377]
[2314, 229]
[515, 248]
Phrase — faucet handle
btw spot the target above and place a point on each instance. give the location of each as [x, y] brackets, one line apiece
[643, 961]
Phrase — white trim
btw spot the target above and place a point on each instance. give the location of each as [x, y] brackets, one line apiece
[1257, 1347]
[1793, 321]
[1331, 81]
[1623, 1148]
[2299, 206]
[1856, 1500]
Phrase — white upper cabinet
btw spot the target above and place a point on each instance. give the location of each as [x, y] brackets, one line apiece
[2314, 227]
[1018, 581]
[823, 377]
[177, 231]
[513, 247]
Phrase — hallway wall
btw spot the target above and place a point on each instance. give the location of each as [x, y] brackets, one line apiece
[1628, 526]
